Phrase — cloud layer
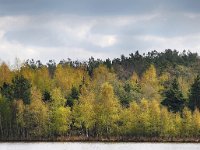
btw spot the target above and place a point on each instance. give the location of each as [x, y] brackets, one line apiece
[58, 29]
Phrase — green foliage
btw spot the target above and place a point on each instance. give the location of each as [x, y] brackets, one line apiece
[7, 91]
[174, 100]
[74, 95]
[194, 98]
[21, 89]
[120, 97]
[5, 117]
[46, 96]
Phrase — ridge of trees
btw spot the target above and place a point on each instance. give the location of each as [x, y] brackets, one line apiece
[154, 95]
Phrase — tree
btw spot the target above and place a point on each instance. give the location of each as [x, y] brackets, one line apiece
[60, 116]
[57, 98]
[155, 113]
[92, 64]
[51, 67]
[84, 112]
[128, 91]
[74, 95]
[107, 110]
[5, 118]
[178, 123]
[174, 100]
[135, 91]
[20, 109]
[21, 89]
[7, 91]
[187, 123]
[167, 124]
[194, 98]
[102, 74]
[5, 74]
[144, 118]
[150, 85]
[129, 119]
[196, 123]
[46, 96]
[67, 77]
[36, 115]
[42, 79]
[60, 120]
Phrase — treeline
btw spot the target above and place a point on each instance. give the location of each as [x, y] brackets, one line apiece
[151, 95]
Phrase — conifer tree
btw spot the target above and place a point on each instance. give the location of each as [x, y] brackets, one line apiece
[174, 100]
[194, 98]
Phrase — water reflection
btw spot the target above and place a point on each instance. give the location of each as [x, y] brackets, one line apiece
[98, 146]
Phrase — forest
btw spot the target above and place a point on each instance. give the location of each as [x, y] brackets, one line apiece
[155, 94]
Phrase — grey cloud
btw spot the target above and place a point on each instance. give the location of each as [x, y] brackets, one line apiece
[96, 7]
[57, 29]
[39, 37]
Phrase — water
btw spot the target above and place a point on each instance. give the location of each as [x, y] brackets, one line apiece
[98, 146]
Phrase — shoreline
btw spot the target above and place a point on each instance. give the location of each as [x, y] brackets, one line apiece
[108, 140]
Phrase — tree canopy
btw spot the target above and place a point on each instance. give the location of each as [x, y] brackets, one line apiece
[156, 94]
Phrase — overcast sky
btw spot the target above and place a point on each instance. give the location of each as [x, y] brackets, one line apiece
[79, 29]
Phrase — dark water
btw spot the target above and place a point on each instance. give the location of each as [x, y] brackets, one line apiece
[98, 146]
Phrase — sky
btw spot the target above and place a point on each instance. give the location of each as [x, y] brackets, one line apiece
[79, 29]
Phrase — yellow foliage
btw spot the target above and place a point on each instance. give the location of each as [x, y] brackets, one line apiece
[42, 79]
[144, 117]
[36, 115]
[150, 84]
[187, 122]
[101, 75]
[20, 112]
[167, 123]
[61, 119]
[107, 108]
[155, 117]
[134, 78]
[150, 75]
[57, 98]
[84, 112]
[67, 77]
[196, 122]
[5, 74]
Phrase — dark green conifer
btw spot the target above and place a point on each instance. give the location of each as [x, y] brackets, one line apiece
[174, 100]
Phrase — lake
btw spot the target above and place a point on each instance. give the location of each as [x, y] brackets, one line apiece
[98, 146]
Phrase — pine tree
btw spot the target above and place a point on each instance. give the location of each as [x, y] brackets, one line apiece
[174, 100]
[194, 98]
[74, 96]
